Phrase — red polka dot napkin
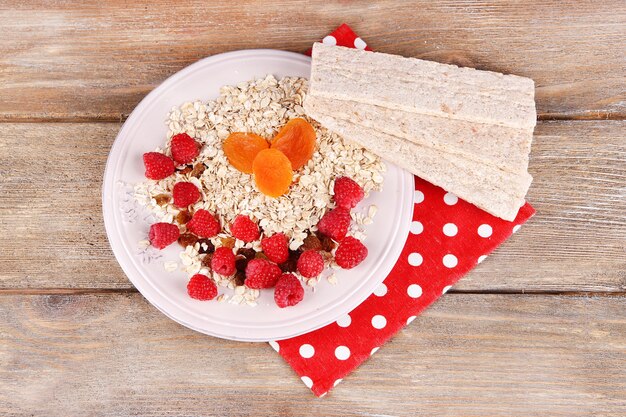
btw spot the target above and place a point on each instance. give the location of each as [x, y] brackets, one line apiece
[448, 237]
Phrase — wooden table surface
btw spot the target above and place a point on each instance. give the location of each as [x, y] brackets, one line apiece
[539, 329]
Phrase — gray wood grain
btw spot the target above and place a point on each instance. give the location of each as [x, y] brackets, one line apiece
[52, 234]
[472, 355]
[96, 60]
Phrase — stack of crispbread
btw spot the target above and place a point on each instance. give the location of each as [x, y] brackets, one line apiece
[465, 130]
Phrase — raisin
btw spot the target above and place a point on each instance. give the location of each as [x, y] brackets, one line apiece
[247, 253]
[260, 255]
[210, 248]
[162, 199]
[187, 240]
[228, 242]
[197, 170]
[311, 242]
[183, 217]
[291, 265]
[241, 264]
[327, 243]
[206, 261]
[186, 170]
[239, 278]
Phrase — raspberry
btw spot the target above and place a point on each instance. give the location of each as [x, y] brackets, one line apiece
[276, 248]
[185, 193]
[310, 264]
[203, 224]
[244, 229]
[223, 261]
[184, 148]
[261, 273]
[158, 166]
[163, 234]
[288, 291]
[335, 223]
[350, 253]
[347, 192]
[201, 287]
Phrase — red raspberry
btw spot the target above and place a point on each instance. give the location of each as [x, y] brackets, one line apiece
[184, 148]
[185, 193]
[158, 166]
[244, 229]
[203, 224]
[288, 291]
[310, 264]
[261, 273]
[335, 223]
[276, 248]
[350, 253]
[201, 287]
[223, 261]
[163, 234]
[347, 193]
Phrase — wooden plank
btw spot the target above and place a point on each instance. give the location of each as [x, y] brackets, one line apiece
[52, 234]
[473, 355]
[96, 60]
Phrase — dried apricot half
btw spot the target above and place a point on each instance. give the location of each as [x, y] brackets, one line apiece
[297, 141]
[241, 148]
[272, 172]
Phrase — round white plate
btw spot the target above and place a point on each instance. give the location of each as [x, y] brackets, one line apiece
[127, 223]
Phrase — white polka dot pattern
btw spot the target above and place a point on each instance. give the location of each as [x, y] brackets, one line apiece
[344, 321]
[342, 353]
[307, 351]
[484, 230]
[418, 197]
[275, 345]
[450, 229]
[417, 228]
[381, 290]
[450, 199]
[415, 259]
[307, 381]
[414, 291]
[450, 261]
[329, 40]
[359, 43]
[379, 322]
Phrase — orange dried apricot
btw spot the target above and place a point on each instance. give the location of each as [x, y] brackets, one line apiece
[272, 172]
[297, 141]
[241, 148]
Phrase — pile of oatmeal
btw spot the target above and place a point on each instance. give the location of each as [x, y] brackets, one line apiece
[262, 107]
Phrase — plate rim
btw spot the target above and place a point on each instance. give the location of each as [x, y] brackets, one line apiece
[123, 257]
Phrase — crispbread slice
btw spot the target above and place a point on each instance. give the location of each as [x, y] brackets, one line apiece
[424, 87]
[504, 147]
[473, 182]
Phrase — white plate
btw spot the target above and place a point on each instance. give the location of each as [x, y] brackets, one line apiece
[127, 224]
